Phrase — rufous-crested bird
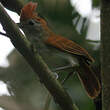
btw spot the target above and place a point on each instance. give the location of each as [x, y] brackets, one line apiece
[58, 51]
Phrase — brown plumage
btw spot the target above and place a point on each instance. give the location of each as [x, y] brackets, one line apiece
[68, 46]
[86, 74]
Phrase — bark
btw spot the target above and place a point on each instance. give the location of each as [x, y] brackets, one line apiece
[105, 53]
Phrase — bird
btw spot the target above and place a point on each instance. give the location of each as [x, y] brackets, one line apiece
[58, 51]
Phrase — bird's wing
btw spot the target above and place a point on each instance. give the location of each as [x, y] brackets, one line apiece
[68, 46]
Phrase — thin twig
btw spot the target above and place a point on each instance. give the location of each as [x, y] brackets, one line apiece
[93, 41]
[4, 34]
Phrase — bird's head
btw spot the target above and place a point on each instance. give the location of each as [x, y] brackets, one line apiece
[30, 19]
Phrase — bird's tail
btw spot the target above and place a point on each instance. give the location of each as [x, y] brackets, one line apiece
[89, 79]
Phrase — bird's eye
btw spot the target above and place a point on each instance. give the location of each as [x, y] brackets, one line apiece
[31, 22]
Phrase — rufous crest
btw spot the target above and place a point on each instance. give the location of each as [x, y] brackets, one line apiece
[28, 11]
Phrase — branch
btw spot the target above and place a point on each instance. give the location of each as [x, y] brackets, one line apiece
[13, 5]
[36, 62]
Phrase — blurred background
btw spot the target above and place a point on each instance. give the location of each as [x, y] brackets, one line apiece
[20, 89]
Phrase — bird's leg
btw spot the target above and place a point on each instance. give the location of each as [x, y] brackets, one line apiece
[65, 68]
[62, 68]
[67, 77]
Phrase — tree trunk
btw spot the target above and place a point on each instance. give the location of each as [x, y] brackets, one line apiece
[105, 53]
